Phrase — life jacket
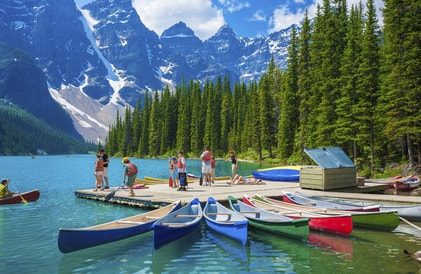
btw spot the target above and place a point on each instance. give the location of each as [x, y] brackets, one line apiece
[3, 191]
[131, 169]
[207, 157]
[180, 164]
[100, 165]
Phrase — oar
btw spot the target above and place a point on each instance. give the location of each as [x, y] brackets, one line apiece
[112, 193]
[409, 223]
[23, 199]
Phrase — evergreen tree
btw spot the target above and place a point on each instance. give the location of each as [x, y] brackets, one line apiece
[347, 106]
[288, 120]
[368, 87]
[304, 83]
[402, 81]
[154, 127]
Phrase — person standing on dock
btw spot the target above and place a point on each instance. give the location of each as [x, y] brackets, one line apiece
[106, 161]
[173, 173]
[213, 171]
[206, 166]
[234, 164]
[182, 172]
[98, 173]
[129, 174]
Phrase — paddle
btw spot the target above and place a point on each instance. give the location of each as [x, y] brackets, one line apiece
[23, 199]
[409, 223]
[112, 193]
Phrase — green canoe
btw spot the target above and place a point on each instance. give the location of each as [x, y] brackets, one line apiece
[272, 222]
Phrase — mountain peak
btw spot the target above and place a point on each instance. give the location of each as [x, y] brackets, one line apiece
[225, 30]
[179, 29]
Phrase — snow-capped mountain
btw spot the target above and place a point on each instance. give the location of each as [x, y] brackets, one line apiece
[101, 57]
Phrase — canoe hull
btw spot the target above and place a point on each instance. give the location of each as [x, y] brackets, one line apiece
[174, 226]
[272, 222]
[281, 175]
[226, 221]
[30, 196]
[387, 221]
[70, 240]
[409, 212]
[337, 224]
[296, 199]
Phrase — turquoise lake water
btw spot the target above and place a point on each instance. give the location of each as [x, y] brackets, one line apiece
[28, 233]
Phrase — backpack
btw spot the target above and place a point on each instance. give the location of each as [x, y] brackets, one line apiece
[132, 169]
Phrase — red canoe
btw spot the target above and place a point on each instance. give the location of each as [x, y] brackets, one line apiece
[338, 224]
[17, 198]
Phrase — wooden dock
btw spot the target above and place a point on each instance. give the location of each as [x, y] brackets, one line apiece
[161, 194]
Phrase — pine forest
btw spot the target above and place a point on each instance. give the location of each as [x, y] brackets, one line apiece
[348, 83]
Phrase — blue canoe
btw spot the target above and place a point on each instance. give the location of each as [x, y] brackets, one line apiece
[226, 221]
[281, 175]
[177, 224]
[73, 239]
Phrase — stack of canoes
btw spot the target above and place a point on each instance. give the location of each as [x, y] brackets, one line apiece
[409, 212]
[332, 223]
[271, 222]
[279, 174]
[293, 218]
[366, 219]
[399, 183]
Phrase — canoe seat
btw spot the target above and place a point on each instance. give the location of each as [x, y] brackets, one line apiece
[173, 224]
[215, 213]
[186, 216]
[130, 222]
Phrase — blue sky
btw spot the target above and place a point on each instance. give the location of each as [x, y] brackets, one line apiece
[248, 18]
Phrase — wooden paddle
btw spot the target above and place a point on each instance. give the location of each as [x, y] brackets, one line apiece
[23, 199]
[409, 223]
[112, 193]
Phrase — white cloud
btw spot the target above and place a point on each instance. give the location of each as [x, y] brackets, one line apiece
[258, 16]
[282, 18]
[203, 18]
[234, 5]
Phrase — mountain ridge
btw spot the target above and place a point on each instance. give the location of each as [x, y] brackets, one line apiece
[101, 57]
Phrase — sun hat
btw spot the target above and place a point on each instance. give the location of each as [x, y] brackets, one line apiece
[125, 160]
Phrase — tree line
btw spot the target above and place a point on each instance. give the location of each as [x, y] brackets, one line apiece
[348, 83]
[21, 133]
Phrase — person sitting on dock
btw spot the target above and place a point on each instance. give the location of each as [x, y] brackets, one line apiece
[240, 180]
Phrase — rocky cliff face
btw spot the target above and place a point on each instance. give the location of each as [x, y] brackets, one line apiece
[100, 57]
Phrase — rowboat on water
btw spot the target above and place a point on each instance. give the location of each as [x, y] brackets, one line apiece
[409, 212]
[399, 183]
[73, 239]
[279, 175]
[225, 221]
[17, 198]
[177, 224]
[338, 224]
[271, 222]
[374, 220]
